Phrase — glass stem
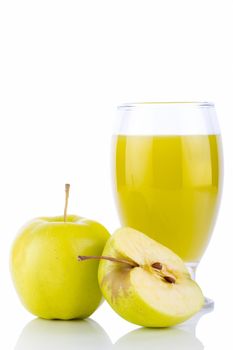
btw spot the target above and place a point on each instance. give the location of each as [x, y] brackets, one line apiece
[192, 267]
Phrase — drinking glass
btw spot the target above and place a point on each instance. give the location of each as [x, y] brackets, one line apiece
[168, 174]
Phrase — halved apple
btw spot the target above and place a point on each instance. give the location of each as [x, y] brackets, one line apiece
[145, 282]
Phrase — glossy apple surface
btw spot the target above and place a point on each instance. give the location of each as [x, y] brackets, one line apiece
[48, 279]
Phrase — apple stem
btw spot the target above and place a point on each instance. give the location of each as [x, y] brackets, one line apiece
[109, 258]
[67, 191]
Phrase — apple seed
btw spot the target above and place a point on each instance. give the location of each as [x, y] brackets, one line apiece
[169, 279]
[157, 265]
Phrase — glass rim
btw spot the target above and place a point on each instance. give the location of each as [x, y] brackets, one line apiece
[166, 104]
[167, 118]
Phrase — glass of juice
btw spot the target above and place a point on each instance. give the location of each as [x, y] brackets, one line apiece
[168, 173]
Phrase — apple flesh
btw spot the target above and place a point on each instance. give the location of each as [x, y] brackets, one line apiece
[155, 289]
[44, 266]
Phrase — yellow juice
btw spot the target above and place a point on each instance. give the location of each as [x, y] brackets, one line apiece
[169, 187]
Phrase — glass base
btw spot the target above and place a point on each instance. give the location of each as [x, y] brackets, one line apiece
[192, 267]
[191, 324]
[209, 304]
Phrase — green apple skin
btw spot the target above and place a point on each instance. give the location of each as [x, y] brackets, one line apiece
[47, 276]
[128, 289]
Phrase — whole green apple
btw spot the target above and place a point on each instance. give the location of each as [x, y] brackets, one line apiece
[44, 266]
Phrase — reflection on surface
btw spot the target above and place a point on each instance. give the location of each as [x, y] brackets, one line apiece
[161, 339]
[66, 335]
[181, 337]
[89, 335]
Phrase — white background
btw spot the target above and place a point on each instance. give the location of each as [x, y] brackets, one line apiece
[64, 67]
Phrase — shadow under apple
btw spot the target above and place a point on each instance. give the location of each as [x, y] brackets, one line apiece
[40, 334]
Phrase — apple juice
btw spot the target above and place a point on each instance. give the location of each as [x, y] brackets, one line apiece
[169, 187]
